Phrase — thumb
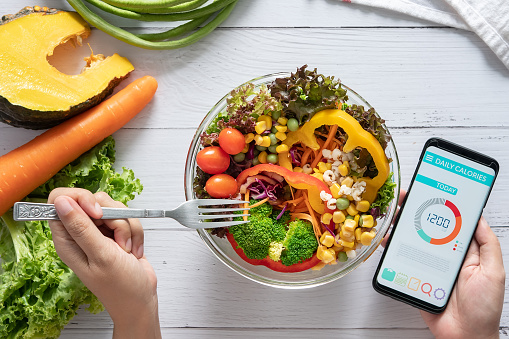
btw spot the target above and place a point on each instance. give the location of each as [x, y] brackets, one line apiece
[79, 226]
[490, 253]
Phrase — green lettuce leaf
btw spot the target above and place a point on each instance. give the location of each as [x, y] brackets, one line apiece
[39, 294]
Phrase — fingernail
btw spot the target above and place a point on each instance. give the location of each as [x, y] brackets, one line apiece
[140, 252]
[98, 208]
[63, 206]
[128, 245]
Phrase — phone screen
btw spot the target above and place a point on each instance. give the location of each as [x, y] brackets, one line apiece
[435, 227]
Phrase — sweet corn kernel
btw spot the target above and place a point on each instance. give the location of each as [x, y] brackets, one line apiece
[352, 210]
[328, 166]
[319, 252]
[249, 137]
[328, 256]
[347, 164]
[334, 189]
[326, 218]
[258, 139]
[282, 148]
[343, 170]
[367, 220]
[367, 237]
[321, 167]
[282, 121]
[281, 128]
[362, 206]
[297, 169]
[344, 243]
[265, 141]
[267, 119]
[348, 182]
[245, 149]
[281, 136]
[346, 233]
[337, 247]
[349, 225]
[358, 232]
[262, 157]
[338, 216]
[318, 176]
[350, 238]
[260, 127]
[356, 218]
[318, 266]
[316, 170]
[349, 197]
[327, 239]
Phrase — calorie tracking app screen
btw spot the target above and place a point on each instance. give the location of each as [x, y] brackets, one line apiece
[435, 227]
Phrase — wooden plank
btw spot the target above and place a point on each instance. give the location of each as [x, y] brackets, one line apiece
[414, 78]
[253, 333]
[196, 290]
[268, 13]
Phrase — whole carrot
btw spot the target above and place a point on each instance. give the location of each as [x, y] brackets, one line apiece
[27, 167]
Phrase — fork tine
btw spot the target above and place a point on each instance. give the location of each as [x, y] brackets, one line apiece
[211, 210]
[208, 202]
[220, 216]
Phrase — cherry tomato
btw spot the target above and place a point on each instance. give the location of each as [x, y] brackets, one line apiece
[231, 141]
[213, 160]
[221, 186]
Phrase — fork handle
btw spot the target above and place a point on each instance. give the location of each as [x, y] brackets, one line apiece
[26, 211]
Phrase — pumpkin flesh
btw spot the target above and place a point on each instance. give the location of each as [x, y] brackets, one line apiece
[35, 94]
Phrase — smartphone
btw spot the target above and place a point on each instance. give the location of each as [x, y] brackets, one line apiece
[435, 225]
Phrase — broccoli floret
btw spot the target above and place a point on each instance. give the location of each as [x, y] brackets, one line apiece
[256, 236]
[299, 244]
[275, 249]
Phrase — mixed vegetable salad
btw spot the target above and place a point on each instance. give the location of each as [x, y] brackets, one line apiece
[312, 168]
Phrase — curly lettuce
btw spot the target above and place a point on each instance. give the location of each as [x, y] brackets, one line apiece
[305, 93]
[39, 294]
[383, 199]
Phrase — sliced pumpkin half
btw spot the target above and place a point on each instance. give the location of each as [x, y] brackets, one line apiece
[33, 93]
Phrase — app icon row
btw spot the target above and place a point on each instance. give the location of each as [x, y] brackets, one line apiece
[412, 283]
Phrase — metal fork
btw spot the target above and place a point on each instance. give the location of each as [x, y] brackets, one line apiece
[192, 213]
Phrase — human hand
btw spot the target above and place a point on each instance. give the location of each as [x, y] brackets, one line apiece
[470, 314]
[107, 255]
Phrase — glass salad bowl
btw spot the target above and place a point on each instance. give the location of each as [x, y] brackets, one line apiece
[224, 251]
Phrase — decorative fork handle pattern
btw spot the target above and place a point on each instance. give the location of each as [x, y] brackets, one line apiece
[26, 211]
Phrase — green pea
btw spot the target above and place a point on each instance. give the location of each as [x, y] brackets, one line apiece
[342, 203]
[260, 148]
[256, 161]
[256, 152]
[349, 217]
[239, 157]
[274, 129]
[292, 124]
[342, 257]
[272, 158]
[361, 220]
[276, 115]
[273, 139]
[272, 149]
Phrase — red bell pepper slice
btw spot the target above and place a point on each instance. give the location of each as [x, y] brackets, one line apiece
[274, 265]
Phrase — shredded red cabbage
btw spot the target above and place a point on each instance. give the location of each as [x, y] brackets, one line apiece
[328, 229]
[296, 157]
[261, 191]
[250, 152]
[282, 212]
[376, 213]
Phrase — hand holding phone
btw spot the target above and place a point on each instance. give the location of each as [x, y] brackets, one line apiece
[469, 313]
[434, 228]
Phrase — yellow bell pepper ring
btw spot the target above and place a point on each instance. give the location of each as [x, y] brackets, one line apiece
[357, 137]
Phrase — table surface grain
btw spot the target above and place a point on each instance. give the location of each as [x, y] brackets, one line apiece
[424, 79]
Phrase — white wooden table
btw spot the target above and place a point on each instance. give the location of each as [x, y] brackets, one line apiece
[425, 80]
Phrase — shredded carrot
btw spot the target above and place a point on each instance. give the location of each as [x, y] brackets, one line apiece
[316, 227]
[295, 201]
[305, 156]
[258, 203]
[246, 205]
[332, 133]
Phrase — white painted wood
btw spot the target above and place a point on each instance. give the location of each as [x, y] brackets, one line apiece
[270, 13]
[424, 81]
